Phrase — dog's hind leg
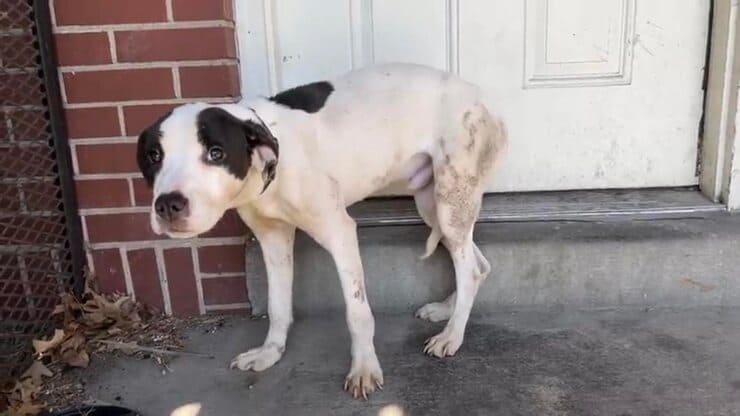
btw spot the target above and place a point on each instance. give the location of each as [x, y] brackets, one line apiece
[425, 204]
[467, 281]
[465, 161]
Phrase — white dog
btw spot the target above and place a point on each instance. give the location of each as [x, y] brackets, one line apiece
[298, 159]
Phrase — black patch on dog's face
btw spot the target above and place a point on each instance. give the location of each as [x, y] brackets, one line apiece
[236, 138]
[147, 147]
[309, 98]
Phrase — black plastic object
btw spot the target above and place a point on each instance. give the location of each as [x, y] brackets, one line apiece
[93, 411]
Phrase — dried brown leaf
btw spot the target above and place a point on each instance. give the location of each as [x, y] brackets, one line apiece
[75, 342]
[76, 358]
[26, 409]
[43, 346]
[60, 308]
[36, 372]
[94, 319]
[114, 331]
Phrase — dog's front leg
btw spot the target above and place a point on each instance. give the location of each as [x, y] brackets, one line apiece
[339, 237]
[276, 239]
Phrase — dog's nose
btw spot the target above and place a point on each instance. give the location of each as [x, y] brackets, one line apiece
[171, 206]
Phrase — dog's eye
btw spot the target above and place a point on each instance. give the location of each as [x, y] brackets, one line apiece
[154, 155]
[216, 154]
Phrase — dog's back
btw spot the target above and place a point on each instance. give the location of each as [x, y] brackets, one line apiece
[377, 118]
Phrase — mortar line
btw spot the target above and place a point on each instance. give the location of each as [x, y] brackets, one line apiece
[93, 176]
[104, 140]
[121, 120]
[177, 87]
[73, 156]
[117, 210]
[198, 281]
[131, 192]
[95, 104]
[207, 276]
[202, 24]
[168, 7]
[52, 14]
[146, 65]
[112, 46]
[127, 273]
[139, 244]
[227, 306]
[164, 286]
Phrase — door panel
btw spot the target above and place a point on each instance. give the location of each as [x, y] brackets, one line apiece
[578, 42]
[410, 31]
[596, 94]
[311, 43]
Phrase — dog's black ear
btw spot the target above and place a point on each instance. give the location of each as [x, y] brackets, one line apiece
[247, 143]
[265, 150]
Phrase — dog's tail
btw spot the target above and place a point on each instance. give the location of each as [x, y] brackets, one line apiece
[483, 267]
[432, 242]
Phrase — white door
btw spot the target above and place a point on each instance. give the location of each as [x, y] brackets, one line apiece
[596, 93]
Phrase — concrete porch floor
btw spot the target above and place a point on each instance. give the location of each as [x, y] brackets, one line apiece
[525, 363]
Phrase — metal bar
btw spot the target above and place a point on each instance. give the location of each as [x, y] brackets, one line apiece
[61, 142]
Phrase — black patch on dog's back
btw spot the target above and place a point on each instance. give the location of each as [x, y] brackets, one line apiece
[237, 138]
[309, 98]
[149, 140]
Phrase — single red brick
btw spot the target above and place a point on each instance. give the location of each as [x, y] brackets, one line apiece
[202, 10]
[119, 227]
[145, 277]
[209, 81]
[230, 225]
[107, 158]
[100, 12]
[139, 117]
[224, 290]
[82, 48]
[109, 270]
[119, 85]
[92, 122]
[181, 281]
[142, 193]
[222, 259]
[103, 193]
[175, 44]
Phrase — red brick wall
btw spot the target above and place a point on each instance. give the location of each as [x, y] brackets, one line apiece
[122, 65]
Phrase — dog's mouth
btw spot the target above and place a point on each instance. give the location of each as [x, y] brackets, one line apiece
[176, 229]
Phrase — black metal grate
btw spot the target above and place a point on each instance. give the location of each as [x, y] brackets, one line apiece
[40, 247]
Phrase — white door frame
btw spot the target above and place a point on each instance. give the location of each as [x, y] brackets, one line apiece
[719, 176]
[719, 160]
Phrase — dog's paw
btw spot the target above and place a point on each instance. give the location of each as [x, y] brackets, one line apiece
[364, 377]
[444, 344]
[258, 359]
[434, 312]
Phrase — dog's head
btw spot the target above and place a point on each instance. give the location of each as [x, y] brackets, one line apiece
[200, 160]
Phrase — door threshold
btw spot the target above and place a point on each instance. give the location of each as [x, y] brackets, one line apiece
[581, 206]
